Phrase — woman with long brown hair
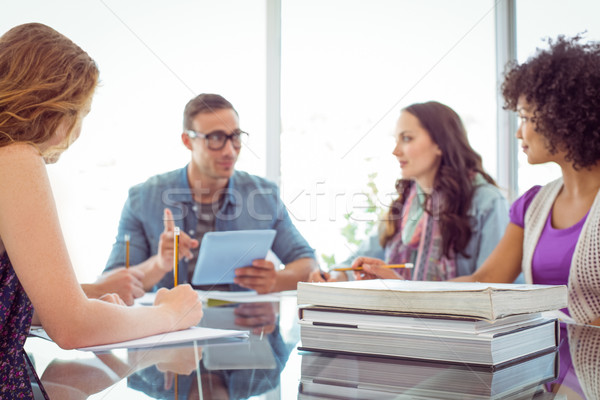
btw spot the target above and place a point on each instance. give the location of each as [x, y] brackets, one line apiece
[449, 214]
[46, 86]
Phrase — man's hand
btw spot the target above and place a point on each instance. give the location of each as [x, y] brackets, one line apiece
[322, 276]
[260, 317]
[165, 244]
[112, 298]
[261, 276]
[126, 282]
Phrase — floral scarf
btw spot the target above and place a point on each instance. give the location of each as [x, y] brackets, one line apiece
[418, 240]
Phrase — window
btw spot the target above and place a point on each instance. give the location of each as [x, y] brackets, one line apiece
[348, 67]
[153, 58]
[558, 18]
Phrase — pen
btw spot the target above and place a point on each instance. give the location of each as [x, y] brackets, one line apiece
[407, 265]
[175, 255]
[127, 237]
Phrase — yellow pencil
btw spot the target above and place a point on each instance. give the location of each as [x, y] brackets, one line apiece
[407, 265]
[176, 385]
[127, 237]
[175, 255]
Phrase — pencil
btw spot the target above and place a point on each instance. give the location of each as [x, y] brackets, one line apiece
[127, 237]
[175, 255]
[407, 265]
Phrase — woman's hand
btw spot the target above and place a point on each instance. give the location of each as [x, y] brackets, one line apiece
[378, 272]
[182, 304]
[372, 269]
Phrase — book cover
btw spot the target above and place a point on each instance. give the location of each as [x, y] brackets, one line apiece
[469, 299]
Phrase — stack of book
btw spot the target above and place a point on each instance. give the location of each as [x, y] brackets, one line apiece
[331, 376]
[455, 322]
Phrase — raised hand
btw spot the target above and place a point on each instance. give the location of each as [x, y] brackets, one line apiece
[165, 244]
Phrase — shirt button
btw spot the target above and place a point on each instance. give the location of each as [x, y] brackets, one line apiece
[195, 207]
[192, 232]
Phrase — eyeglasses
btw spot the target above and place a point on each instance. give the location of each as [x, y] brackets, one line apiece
[216, 140]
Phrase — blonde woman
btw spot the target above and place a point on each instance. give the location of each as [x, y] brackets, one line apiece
[46, 86]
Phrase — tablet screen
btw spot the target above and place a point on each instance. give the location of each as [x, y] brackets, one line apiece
[222, 252]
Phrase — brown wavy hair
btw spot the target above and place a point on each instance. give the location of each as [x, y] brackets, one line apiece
[453, 188]
[204, 103]
[562, 83]
[45, 79]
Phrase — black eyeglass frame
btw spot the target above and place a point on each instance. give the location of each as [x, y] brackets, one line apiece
[206, 136]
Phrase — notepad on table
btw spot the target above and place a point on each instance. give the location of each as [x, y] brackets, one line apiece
[194, 333]
[221, 253]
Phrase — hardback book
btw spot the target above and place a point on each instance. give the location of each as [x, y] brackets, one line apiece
[362, 377]
[470, 299]
[493, 347]
[319, 315]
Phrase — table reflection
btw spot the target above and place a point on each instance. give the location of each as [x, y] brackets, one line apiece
[579, 374]
[259, 364]
[570, 372]
[254, 368]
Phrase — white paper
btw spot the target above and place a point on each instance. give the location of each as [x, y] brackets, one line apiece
[235, 297]
[186, 335]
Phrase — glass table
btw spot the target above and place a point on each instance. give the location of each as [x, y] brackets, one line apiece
[269, 366]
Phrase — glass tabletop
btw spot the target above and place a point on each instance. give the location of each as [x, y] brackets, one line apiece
[269, 366]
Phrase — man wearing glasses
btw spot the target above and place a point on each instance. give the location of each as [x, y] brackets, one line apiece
[208, 195]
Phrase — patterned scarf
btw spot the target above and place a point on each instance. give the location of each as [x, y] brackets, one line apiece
[418, 240]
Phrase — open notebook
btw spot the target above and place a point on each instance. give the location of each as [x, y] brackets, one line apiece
[194, 333]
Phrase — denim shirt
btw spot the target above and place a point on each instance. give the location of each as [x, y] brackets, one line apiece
[249, 202]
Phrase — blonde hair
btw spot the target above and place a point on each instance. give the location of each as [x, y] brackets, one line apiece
[45, 80]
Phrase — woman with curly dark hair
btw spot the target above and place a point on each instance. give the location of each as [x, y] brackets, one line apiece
[554, 234]
[449, 214]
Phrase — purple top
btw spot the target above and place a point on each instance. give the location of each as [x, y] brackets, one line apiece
[15, 319]
[554, 250]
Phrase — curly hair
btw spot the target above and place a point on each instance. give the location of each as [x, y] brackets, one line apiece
[45, 80]
[562, 83]
[453, 187]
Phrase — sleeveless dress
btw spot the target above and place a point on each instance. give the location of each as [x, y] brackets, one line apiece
[16, 312]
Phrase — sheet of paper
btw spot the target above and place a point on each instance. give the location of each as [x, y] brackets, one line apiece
[249, 296]
[186, 335]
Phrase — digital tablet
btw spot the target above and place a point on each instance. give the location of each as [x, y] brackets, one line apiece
[221, 253]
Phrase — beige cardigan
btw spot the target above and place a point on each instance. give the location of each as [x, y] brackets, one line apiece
[584, 274]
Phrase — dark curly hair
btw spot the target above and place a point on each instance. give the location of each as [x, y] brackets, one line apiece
[562, 84]
[453, 187]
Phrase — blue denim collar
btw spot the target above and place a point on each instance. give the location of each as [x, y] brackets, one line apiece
[229, 198]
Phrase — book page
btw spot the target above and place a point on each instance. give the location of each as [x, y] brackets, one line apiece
[426, 286]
